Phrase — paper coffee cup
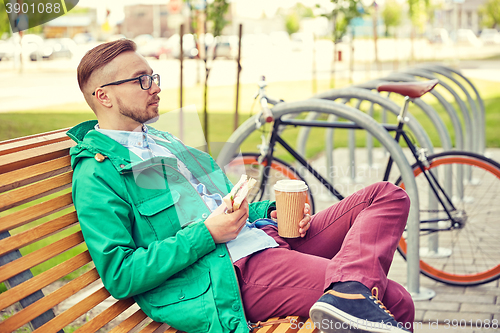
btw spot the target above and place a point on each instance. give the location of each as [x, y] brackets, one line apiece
[290, 200]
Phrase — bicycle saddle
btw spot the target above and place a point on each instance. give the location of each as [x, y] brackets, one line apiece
[410, 89]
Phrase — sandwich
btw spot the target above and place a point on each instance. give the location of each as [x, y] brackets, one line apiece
[238, 193]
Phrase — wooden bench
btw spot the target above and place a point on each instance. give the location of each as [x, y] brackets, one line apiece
[35, 204]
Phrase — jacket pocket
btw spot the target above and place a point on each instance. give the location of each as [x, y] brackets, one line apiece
[184, 304]
[161, 213]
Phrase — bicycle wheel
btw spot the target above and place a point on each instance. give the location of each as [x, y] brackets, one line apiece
[467, 252]
[279, 170]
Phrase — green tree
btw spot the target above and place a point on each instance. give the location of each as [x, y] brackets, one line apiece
[391, 14]
[216, 12]
[490, 12]
[4, 20]
[292, 23]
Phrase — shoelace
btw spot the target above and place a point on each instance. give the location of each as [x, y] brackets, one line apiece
[377, 301]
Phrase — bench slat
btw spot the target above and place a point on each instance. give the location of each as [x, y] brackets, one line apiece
[32, 213]
[172, 330]
[25, 158]
[42, 280]
[106, 316]
[34, 191]
[80, 308]
[34, 173]
[125, 326]
[29, 137]
[48, 302]
[287, 328]
[151, 327]
[34, 258]
[32, 235]
[12, 147]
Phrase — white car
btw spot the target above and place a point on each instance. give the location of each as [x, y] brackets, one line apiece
[490, 36]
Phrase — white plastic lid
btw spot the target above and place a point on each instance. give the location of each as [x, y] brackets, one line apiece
[290, 185]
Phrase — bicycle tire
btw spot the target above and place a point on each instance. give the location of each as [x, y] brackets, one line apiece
[469, 255]
[279, 170]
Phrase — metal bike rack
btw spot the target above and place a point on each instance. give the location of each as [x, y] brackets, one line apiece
[231, 148]
[361, 95]
[477, 110]
[469, 136]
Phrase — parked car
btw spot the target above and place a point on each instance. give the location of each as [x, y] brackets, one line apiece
[54, 48]
[302, 41]
[7, 49]
[466, 37]
[188, 45]
[83, 38]
[439, 36]
[227, 47]
[490, 36]
[156, 47]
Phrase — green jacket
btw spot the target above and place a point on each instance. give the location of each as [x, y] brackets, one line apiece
[143, 225]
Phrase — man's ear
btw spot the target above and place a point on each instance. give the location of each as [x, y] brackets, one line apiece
[103, 98]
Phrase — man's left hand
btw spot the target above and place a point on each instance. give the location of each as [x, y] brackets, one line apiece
[304, 224]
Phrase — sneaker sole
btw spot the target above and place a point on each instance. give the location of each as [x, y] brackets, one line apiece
[332, 320]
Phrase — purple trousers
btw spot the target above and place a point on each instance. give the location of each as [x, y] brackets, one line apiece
[353, 240]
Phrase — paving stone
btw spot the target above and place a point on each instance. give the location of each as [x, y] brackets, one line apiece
[440, 306]
[487, 308]
[444, 316]
[426, 328]
[483, 291]
[440, 288]
[419, 315]
[462, 298]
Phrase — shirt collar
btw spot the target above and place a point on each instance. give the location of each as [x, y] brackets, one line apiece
[128, 138]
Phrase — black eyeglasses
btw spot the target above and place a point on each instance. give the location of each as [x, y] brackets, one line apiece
[145, 80]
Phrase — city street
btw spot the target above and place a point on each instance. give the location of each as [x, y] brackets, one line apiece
[48, 83]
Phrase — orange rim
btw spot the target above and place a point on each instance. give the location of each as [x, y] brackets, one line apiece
[252, 160]
[463, 279]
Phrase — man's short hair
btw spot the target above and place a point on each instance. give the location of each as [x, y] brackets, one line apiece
[101, 55]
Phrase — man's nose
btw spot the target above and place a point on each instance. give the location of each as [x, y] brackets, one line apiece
[155, 89]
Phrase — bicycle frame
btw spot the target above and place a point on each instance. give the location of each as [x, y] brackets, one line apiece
[434, 184]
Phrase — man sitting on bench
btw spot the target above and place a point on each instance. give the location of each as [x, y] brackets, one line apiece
[144, 201]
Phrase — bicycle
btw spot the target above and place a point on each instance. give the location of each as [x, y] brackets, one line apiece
[457, 192]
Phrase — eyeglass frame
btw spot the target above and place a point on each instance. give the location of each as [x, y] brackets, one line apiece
[151, 77]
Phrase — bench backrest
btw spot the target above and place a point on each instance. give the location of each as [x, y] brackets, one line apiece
[35, 203]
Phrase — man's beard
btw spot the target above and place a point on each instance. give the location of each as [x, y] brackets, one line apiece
[138, 115]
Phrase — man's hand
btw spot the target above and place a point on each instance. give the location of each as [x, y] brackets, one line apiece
[304, 224]
[225, 227]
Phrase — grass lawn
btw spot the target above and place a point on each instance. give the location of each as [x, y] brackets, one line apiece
[221, 109]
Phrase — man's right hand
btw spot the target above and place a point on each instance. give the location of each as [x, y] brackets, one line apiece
[225, 227]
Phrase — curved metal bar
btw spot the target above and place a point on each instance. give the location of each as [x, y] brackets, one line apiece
[469, 128]
[480, 104]
[475, 114]
[363, 120]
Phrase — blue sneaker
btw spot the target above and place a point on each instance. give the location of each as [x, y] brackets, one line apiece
[353, 313]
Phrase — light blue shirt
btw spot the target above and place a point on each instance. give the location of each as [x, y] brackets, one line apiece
[250, 239]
